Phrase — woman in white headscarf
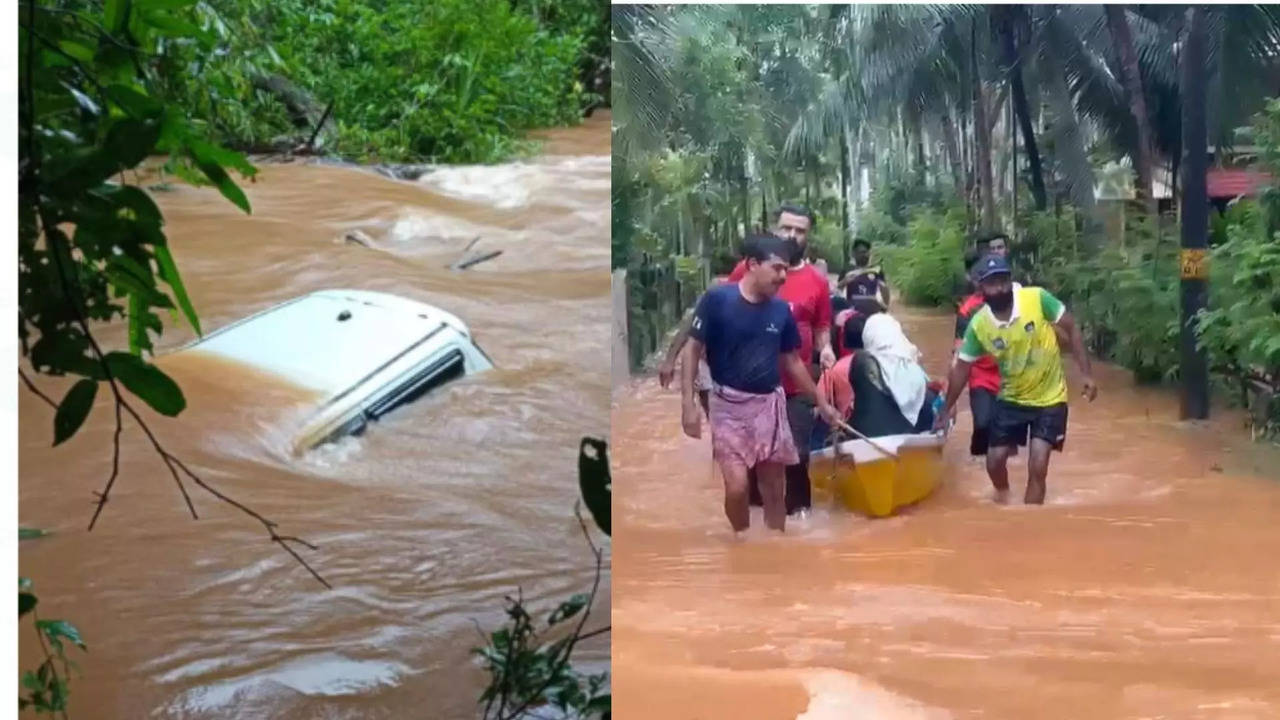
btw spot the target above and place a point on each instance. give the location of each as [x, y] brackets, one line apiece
[899, 362]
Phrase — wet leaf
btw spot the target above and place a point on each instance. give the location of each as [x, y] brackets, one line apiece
[169, 273]
[225, 185]
[174, 26]
[73, 410]
[58, 630]
[130, 141]
[26, 603]
[116, 14]
[594, 480]
[568, 609]
[206, 152]
[138, 340]
[136, 199]
[133, 100]
[147, 382]
[81, 52]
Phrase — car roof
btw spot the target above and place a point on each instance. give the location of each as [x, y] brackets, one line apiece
[329, 341]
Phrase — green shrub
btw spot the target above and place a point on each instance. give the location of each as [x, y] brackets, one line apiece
[925, 271]
[880, 229]
[447, 81]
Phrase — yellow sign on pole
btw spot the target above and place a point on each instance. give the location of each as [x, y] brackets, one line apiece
[1195, 264]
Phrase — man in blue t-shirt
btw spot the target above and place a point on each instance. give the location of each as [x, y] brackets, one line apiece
[749, 338]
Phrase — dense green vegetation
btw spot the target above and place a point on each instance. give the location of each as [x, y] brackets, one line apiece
[449, 81]
[920, 128]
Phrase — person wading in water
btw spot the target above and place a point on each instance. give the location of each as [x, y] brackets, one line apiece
[807, 293]
[865, 285]
[750, 338]
[1017, 328]
[984, 378]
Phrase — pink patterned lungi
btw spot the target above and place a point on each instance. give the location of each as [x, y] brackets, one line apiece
[748, 429]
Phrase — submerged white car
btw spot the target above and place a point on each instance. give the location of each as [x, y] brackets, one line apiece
[365, 353]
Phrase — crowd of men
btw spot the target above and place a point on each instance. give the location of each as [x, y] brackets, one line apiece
[773, 358]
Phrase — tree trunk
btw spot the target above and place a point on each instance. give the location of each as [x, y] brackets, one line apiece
[953, 154]
[844, 195]
[1195, 216]
[1008, 35]
[922, 168]
[1072, 155]
[746, 195]
[1122, 40]
[982, 139]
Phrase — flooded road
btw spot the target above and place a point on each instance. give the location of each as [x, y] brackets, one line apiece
[1147, 587]
[423, 524]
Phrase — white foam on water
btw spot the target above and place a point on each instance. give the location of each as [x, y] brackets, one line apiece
[838, 695]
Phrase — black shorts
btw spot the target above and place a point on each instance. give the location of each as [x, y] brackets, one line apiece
[704, 399]
[1010, 424]
[982, 403]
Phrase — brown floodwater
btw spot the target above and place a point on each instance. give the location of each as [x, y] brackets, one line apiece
[424, 523]
[1146, 587]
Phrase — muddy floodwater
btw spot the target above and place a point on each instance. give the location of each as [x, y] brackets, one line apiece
[423, 524]
[1147, 587]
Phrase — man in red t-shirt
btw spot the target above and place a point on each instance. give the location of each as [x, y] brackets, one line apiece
[984, 377]
[807, 292]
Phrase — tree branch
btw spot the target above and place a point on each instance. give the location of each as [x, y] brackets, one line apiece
[32, 387]
[577, 632]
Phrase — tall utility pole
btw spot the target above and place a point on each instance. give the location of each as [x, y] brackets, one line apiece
[1195, 216]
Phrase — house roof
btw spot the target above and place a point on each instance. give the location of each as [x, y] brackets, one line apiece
[1231, 183]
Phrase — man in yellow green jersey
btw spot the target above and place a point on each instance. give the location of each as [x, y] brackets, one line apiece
[1017, 328]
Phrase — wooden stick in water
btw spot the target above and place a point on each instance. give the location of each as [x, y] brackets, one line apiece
[849, 429]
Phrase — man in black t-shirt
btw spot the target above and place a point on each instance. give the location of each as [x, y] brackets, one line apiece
[865, 283]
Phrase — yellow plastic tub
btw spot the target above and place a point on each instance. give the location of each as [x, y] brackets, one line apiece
[865, 480]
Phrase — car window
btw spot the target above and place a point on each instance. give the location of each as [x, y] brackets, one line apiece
[450, 366]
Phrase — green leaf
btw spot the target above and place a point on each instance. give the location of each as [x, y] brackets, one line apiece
[174, 26]
[205, 152]
[133, 100]
[26, 603]
[147, 382]
[169, 273]
[65, 352]
[164, 4]
[26, 533]
[225, 185]
[58, 630]
[73, 410]
[116, 14]
[138, 340]
[81, 52]
[130, 141]
[568, 609]
[137, 200]
[594, 481]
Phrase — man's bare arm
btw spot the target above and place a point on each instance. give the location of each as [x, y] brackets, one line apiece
[799, 372]
[1076, 339]
[690, 417]
[667, 368]
[957, 379]
[689, 370]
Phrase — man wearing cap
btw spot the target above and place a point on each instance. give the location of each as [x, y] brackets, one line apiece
[1017, 327]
